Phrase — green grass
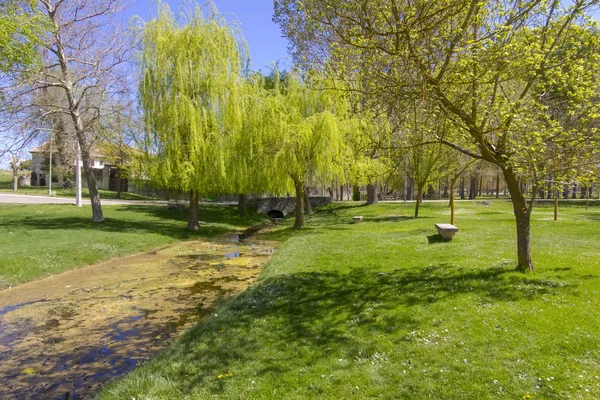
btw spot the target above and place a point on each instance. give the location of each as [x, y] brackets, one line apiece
[385, 310]
[41, 240]
[6, 187]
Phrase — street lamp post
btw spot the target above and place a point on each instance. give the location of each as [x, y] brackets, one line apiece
[78, 176]
[50, 170]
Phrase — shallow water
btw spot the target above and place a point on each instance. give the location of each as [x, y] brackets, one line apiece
[65, 336]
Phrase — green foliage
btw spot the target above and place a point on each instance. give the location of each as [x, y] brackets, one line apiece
[26, 165]
[21, 32]
[311, 127]
[383, 309]
[190, 92]
[355, 193]
[477, 64]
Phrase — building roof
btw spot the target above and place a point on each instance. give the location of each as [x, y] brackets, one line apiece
[45, 148]
[42, 148]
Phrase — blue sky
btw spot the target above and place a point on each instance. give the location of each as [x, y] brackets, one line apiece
[262, 34]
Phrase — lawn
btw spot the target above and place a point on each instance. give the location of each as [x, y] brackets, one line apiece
[41, 240]
[385, 310]
[6, 187]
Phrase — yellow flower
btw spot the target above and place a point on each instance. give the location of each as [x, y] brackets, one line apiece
[527, 396]
[228, 375]
[220, 376]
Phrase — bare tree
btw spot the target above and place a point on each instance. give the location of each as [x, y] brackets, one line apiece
[85, 58]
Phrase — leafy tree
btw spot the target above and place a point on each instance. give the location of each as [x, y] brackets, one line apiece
[312, 123]
[479, 62]
[22, 29]
[191, 95]
[251, 159]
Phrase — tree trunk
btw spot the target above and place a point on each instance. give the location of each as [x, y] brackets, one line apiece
[462, 187]
[118, 183]
[15, 174]
[473, 187]
[341, 192]
[556, 207]
[587, 198]
[241, 203]
[372, 194]
[452, 201]
[299, 222]
[480, 185]
[307, 202]
[522, 218]
[193, 212]
[498, 185]
[418, 203]
[88, 169]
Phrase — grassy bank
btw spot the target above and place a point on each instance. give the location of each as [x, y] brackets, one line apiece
[385, 310]
[41, 240]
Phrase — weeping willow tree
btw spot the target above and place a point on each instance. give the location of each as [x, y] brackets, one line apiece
[251, 154]
[311, 121]
[191, 90]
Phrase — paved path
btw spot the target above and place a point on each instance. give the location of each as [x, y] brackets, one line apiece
[9, 198]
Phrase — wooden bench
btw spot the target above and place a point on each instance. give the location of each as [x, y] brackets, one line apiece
[446, 230]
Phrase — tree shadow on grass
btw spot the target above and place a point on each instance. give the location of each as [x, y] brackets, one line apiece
[437, 238]
[214, 220]
[288, 322]
[389, 218]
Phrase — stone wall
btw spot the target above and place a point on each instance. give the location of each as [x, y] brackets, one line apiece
[284, 204]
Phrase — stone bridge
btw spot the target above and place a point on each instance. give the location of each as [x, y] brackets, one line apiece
[279, 207]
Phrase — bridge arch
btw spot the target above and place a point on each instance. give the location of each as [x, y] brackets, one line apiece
[275, 214]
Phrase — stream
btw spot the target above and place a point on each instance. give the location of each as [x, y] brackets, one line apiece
[65, 336]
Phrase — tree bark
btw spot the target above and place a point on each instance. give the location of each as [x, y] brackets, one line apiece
[193, 212]
[498, 185]
[118, 183]
[556, 207]
[522, 217]
[88, 169]
[418, 203]
[462, 187]
[241, 203]
[299, 222]
[307, 202]
[15, 174]
[473, 187]
[372, 194]
[587, 198]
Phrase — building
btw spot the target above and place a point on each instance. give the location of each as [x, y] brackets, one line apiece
[105, 171]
